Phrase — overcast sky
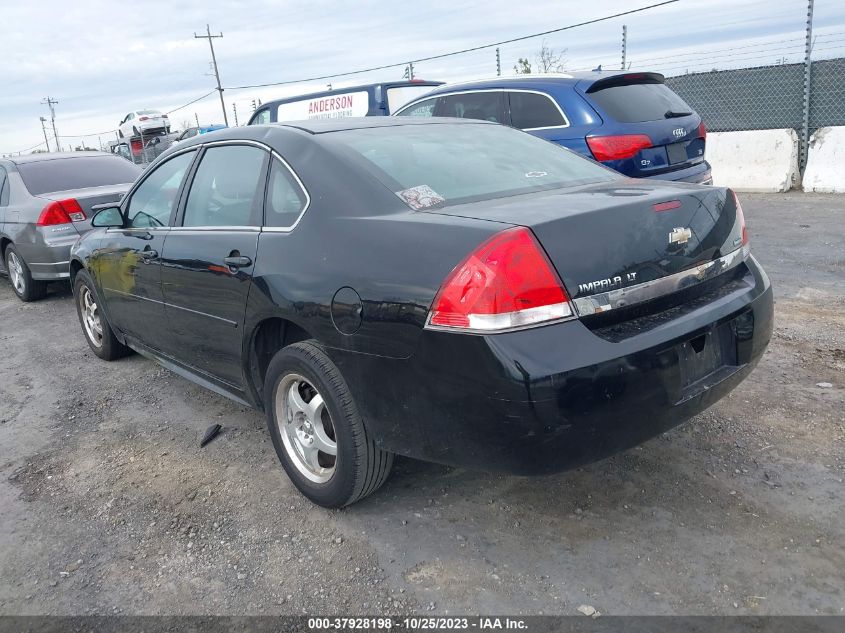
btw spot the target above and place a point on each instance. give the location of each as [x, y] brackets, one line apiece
[102, 58]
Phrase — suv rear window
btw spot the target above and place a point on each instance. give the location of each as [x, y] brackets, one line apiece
[635, 102]
[63, 174]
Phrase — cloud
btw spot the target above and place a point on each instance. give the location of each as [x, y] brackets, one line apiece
[101, 58]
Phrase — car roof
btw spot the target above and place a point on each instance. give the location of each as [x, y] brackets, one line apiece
[38, 158]
[585, 78]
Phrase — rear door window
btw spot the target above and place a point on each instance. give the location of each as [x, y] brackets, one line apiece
[531, 110]
[228, 188]
[78, 172]
[485, 106]
[637, 102]
[286, 199]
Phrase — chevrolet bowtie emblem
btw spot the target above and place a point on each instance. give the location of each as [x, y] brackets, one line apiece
[680, 235]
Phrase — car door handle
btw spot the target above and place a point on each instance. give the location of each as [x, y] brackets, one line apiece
[237, 261]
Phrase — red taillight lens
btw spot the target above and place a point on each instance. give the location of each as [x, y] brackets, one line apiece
[507, 282]
[136, 146]
[61, 212]
[617, 147]
[702, 131]
[740, 216]
[143, 118]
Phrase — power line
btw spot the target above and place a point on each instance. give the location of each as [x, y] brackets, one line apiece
[460, 52]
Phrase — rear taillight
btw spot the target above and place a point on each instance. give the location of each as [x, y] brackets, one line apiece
[740, 216]
[505, 283]
[702, 131]
[617, 147]
[61, 212]
[136, 146]
[143, 118]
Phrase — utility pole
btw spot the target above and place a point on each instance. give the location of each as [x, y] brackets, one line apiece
[235, 112]
[44, 129]
[49, 102]
[624, 45]
[211, 39]
[498, 63]
[197, 119]
[808, 62]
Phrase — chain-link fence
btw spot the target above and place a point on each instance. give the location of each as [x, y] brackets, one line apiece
[767, 97]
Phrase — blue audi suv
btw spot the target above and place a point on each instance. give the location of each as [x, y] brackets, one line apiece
[631, 122]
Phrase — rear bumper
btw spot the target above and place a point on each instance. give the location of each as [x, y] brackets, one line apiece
[552, 398]
[699, 174]
[49, 261]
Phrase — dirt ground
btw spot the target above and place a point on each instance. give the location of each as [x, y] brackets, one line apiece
[108, 505]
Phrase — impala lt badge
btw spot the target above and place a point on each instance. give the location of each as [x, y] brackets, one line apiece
[680, 235]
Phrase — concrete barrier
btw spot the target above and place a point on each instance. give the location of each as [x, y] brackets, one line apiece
[825, 171]
[755, 160]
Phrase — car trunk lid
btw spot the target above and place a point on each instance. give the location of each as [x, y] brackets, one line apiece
[87, 198]
[613, 236]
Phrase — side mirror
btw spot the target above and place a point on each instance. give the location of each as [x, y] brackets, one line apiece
[108, 217]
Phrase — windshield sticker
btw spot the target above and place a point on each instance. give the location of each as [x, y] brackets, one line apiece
[421, 197]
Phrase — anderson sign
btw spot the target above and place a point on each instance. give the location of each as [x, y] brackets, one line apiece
[329, 107]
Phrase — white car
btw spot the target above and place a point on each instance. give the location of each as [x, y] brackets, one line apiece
[143, 122]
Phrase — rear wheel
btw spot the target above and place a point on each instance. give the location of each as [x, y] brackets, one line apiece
[98, 332]
[317, 431]
[27, 288]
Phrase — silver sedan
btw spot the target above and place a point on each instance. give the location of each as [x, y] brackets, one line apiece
[45, 205]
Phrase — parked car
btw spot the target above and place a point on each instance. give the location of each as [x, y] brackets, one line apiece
[631, 122]
[45, 204]
[191, 132]
[143, 151]
[141, 122]
[527, 310]
[379, 99]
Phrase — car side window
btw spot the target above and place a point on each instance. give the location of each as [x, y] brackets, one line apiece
[4, 186]
[154, 200]
[262, 117]
[531, 110]
[486, 106]
[423, 108]
[228, 188]
[285, 197]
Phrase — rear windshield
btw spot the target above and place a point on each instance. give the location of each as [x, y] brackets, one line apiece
[635, 102]
[62, 174]
[148, 112]
[430, 165]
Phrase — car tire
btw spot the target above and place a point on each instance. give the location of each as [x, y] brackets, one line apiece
[98, 333]
[358, 467]
[135, 131]
[26, 288]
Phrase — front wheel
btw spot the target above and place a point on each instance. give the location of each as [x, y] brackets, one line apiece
[98, 332]
[317, 431]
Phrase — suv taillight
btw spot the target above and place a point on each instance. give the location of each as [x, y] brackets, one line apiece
[61, 212]
[702, 131]
[504, 284]
[617, 147]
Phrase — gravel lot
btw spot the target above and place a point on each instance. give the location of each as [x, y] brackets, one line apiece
[110, 506]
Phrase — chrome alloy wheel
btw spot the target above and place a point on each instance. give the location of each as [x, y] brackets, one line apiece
[306, 428]
[15, 269]
[91, 316]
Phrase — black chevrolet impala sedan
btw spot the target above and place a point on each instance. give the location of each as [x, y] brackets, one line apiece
[455, 291]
